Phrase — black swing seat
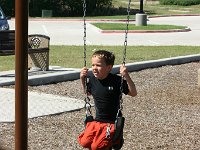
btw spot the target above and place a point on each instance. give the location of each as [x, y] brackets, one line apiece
[118, 146]
[119, 126]
[118, 131]
[88, 119]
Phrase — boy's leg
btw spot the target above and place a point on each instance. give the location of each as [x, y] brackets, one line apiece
[85, 139]
[100, 140]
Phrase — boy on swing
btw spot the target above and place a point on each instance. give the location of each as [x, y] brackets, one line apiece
[105, 88]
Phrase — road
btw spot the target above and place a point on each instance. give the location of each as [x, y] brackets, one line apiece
[70, 32]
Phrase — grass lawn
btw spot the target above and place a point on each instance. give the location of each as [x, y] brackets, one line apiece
[151, 9]
[154, 8]
[72, 56]
[122, 26]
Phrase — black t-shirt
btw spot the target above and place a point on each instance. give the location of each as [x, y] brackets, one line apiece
[106, 94]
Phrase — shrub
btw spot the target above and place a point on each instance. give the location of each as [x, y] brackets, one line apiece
[180, 2]
[61, 7]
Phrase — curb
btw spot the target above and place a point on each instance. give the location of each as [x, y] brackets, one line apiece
[147, 31]
[74, 75]
[102, 20]
[113, 20]
[65, 75]
[158, 63]
[177, 15]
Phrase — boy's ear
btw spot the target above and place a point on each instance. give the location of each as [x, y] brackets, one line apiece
[110, 67]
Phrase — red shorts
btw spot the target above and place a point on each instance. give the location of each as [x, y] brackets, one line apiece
[94, 136]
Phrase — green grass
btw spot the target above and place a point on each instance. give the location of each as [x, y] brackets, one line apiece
[152, 9]
[122, 26]
[149, 9]
[7, 63]
[72, 56]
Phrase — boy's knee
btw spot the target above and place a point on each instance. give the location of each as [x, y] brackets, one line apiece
[84, 143]
[94, 146]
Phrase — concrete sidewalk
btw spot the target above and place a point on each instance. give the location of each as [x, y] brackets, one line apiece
[39, 104]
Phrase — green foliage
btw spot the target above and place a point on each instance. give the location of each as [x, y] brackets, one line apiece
[8, 7]
[60, 8]
[180, 2]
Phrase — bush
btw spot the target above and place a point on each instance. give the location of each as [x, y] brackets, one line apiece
[61, 8]
[180, 2]
[8, 7]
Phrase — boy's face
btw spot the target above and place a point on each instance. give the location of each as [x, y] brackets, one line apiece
[99, 67]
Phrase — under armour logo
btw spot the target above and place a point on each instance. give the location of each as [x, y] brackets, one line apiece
[110, 88]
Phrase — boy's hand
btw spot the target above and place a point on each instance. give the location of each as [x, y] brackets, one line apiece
[83, 73]
[131, 85]
[123, 70]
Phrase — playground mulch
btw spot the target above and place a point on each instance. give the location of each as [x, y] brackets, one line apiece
[164, 115]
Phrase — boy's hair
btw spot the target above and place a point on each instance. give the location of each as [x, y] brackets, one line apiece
[108, 57]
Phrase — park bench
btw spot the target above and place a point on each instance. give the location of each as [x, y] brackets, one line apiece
[38, 48]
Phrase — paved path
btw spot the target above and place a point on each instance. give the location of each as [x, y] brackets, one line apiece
[39, 104]
[70, 32]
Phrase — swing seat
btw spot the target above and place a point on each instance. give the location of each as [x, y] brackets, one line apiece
[119, 146]
[88, 119]
[118, 131]
[119, 126]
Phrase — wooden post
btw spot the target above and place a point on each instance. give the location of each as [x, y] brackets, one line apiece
[21, 75]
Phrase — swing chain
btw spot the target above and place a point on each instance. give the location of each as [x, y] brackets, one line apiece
[84, 24]
[88, 107]
[87, 100]
[124, 55]
[126, 32]
[84, 40]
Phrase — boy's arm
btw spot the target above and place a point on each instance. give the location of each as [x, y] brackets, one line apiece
[131, 85]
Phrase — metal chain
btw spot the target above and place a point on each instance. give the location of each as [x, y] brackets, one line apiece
[84, 40]
[124, 55]
[84, 24]
[126, 31]
[87, 100]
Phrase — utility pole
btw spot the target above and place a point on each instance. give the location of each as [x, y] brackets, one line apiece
[141, 7]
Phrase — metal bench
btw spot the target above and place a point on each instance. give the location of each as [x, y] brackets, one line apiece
[38, 48]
